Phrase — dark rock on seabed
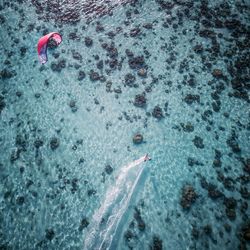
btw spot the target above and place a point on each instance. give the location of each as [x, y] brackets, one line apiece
[2, 103]
[15, 154]
[140, 101]
[137, 139]
[91, 192]
[99, 27]
[21, 142]
[84, 223]
[99, 65]
[148, 26]
[187, 127]
[77, 56]
[108, 86]
[72, 105]
[81, 75]
[50, 234]
[136, 62]
[140, 222]
[213, 192]
[54, 143]
[195, 233]
[208, 230]
[129, 53]
[198, 48]
[217, 73]
[135, 32]
[157, 112]
[156, 244]
[193, 162]
[94, 76]
[73, 36]
[7, 74]
[128, 235]
[129, 79]
[246, 166]
[245, 232]
[88, 41]
[108, 169]
[57, 67]
[217, 159]
[233, 144]
[230, 204]
[190, 98]
[20, 200]
[38, 143]
[188, 196]
[198, 142]
[74, 184]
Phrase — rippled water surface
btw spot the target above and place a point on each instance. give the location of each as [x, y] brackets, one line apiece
[167, 78]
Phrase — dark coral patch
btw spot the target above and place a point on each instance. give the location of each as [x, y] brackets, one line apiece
[198, 142]
[188, 196]
[2, 103]
[140, 101]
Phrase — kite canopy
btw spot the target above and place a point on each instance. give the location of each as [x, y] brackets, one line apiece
[43, 44]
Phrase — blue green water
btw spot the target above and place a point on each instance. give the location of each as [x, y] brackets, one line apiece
[64, 136]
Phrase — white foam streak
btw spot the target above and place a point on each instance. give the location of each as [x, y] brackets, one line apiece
[106, 219]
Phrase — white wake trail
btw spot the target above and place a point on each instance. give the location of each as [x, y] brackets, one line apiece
[106, 219]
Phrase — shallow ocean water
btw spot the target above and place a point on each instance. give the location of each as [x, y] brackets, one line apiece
[60, 130]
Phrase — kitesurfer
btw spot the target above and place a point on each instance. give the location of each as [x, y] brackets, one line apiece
[147, 158]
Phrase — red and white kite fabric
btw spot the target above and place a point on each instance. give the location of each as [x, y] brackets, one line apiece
[43, 44]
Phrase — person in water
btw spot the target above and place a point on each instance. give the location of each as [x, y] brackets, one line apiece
[147, 158]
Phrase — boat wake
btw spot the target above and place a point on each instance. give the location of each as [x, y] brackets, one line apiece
[106, 219]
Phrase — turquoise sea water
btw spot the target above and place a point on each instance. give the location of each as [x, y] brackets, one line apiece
[65, 132]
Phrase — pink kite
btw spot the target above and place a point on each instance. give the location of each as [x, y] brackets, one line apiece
[43, 42]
